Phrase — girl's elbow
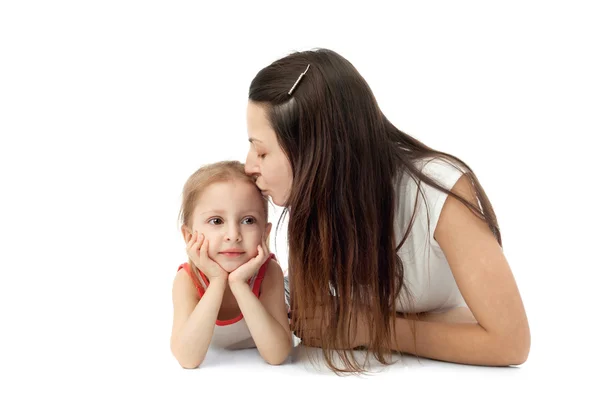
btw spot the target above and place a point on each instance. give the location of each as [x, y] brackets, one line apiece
[188, 364]
[185, 362]
[278, 358]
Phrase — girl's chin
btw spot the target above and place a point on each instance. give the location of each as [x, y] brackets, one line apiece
[230, 269]
[231, 265]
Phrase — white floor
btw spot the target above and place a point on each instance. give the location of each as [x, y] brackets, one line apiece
[244, 372]
[225, 374]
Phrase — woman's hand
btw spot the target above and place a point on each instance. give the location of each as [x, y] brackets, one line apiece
[197, 250]
[359, 330]
[248, 269]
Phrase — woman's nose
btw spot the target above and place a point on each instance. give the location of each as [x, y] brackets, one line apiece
[250, 167]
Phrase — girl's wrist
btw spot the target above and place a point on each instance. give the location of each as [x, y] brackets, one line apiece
[218, 282]
[236, 285]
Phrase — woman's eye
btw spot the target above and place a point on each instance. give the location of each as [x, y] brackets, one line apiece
[249, 220]
[215, 221]
[261, 155]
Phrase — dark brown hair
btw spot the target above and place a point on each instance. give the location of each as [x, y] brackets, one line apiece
[345, 156]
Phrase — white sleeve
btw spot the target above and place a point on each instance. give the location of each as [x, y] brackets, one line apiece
[446, 174]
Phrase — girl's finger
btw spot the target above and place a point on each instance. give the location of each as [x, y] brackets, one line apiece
[191, 242]
[195, 245]
[204, 247]
[200, 239]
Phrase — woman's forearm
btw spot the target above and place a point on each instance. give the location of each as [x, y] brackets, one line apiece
[191, 343]
[466, 343]
[273, 342]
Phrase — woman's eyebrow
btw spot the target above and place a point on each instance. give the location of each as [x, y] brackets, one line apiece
[252, 140]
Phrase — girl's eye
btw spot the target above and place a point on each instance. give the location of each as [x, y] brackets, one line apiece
[215, 221]
[249, 220]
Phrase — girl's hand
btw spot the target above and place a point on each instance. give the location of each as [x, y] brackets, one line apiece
[197, 250]
[248, 269]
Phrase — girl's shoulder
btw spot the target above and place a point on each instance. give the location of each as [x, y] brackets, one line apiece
[266, 270]
[185, 280]
[270, 274]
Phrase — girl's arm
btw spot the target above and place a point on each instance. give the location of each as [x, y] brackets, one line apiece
[499, 335]
[266, 317]
[194, 320]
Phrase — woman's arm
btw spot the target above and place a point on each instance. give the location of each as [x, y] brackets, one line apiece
[194, 320]
[500, 333]
[266, 317]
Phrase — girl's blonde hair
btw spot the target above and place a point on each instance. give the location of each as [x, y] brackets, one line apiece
[222, 171]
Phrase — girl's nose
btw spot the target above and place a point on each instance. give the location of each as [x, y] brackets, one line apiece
[233, 235]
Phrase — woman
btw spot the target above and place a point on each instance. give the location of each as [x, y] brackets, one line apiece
[393, 246]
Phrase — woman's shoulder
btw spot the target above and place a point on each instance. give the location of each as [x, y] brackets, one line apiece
[417, 198]
[442, 170]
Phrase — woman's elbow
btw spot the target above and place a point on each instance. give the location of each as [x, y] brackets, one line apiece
[521, 353]
[515, 348]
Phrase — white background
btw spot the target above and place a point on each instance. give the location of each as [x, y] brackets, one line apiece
[107, 107]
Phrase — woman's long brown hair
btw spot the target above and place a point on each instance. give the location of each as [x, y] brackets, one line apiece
[345, 156]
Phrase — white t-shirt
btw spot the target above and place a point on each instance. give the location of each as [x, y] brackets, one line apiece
[427, 274]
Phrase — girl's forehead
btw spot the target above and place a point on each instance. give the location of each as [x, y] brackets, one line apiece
[230, 197]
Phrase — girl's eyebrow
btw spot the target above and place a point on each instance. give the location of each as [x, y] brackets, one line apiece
[221, 212]
[213, 212]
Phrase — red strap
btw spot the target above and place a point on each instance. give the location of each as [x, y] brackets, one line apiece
[261, 274]
[255, 287]
[199, 287]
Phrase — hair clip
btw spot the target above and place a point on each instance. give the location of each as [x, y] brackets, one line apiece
[298, 80]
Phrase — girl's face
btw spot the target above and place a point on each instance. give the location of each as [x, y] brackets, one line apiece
[231, 216]
[266, 160]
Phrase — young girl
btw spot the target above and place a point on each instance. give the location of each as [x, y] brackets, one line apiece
[230, 293]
